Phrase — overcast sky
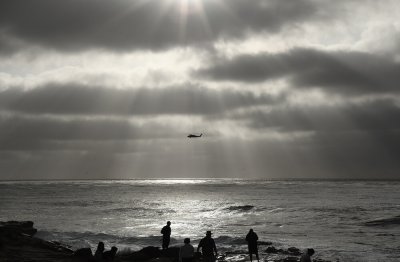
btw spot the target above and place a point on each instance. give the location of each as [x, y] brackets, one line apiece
[101, 89]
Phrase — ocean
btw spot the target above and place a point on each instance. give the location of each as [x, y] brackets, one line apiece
[341, 220]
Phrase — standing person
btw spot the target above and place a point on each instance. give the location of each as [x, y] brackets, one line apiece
[251, 239]
[98, 255]
[307, 256]
[208, 248]
[186, 252]
[109, 256]
[166, 232]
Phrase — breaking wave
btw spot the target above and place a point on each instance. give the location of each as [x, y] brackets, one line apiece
[243, 208]
[90, 239]
[384, 222]
[139, 209]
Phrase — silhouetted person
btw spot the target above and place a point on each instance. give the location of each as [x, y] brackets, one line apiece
[186, 252]
[251, 239]
[307, 256]
[208, 248]
[109, 256]
[166, 232]
[98, 255]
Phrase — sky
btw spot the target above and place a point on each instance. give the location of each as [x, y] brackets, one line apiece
[101, 89]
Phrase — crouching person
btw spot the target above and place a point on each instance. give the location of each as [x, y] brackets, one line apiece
[186, 252]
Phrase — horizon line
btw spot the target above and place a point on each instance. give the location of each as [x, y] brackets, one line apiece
[205, 178]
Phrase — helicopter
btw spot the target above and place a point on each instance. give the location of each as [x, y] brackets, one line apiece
[194, 136]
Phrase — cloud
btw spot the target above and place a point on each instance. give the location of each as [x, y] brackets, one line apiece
[94, 88]
[346, 72]
[151, 24]
[48, 133]
[372, 116]
[78, 99]
[344, 142]
[344, 156]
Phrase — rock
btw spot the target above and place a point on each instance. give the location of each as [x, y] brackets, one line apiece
[236, 252]
[83, 253]
[18, 244]
[162, 259]
[264, 243]
[146, 253]
[294, 251]
[17, 227]
[291, 259]
[172, 252]
[271, 249]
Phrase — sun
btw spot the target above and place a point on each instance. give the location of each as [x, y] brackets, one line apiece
[188, 7]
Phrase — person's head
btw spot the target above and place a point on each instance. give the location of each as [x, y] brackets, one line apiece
[208, 234]
[310, 251]
[114, 250]
[168, 223]
[186, 241]
[100, 246]
[251, 230]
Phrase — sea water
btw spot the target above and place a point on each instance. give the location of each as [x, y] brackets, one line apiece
[341, 220]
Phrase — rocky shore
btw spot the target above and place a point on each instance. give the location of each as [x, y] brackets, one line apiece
[18, 243]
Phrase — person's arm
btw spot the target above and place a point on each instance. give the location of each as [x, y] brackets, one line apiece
[200, 245]
[215, 248]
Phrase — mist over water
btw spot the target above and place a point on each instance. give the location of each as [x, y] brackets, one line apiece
[346, 220]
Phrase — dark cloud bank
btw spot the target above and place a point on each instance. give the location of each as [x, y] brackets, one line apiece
[372, 116]
[151, 24]
[82, 100]
[345, 72]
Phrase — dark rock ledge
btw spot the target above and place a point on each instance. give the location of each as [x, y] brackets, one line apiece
[18, 243]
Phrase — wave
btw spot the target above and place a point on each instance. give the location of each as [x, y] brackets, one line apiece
[76, 203]
[140, 210]
[243, 208]
[128, 209]
[230, 240]
[72, 238]
[81, 239]
[337, 210]
[384, 221]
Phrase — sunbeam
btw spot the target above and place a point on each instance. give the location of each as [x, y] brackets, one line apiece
[260, 127]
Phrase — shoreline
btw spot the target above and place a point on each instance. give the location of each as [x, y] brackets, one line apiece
[18, 243]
